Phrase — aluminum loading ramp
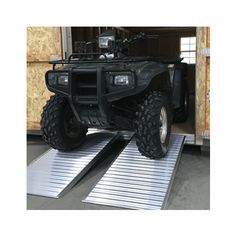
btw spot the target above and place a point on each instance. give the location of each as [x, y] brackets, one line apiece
[54, 173]
[136, 182]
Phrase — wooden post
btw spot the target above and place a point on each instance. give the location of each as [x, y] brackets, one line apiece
[202, 85]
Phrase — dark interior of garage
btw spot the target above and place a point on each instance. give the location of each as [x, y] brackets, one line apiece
[166, 43]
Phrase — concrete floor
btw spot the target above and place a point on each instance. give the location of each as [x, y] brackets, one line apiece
[190, 189]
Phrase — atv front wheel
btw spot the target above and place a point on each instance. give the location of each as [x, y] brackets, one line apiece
[153, 125]
[60, 128]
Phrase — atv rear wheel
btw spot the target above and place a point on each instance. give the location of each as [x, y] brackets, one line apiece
[153, 125]
[181, 114]
[60, 128]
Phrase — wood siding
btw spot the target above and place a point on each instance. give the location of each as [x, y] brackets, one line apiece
[43, 43]
[202, 85]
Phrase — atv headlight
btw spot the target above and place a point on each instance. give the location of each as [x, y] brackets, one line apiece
[121, 80]
[52, 79]
[62, 79]
[103, 41]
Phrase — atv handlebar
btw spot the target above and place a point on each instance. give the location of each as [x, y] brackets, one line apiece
[122, 45]
[117, 46]
[142, 36]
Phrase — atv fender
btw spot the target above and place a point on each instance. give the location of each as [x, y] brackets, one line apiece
[148, 76]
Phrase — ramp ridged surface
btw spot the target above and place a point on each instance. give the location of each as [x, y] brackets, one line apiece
[136, 182]
[55, 172]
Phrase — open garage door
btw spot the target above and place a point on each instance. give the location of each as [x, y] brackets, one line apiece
[172, 42]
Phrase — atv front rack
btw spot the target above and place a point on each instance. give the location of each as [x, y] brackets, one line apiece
[80, 58]
[85, 55]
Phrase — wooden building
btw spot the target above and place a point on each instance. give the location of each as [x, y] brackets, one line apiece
[50, 43]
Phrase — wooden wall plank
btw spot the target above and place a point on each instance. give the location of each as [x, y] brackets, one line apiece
[37, 93]
[208, 82]
[207, 125]
[42, 43]
[202, 85]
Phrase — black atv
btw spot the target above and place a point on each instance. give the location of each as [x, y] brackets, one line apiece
[111, 90]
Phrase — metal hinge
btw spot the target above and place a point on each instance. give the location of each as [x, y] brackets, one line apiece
[205, 52]
[208, 95]
[205, 134]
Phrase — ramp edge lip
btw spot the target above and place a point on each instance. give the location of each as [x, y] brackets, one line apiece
[174, 173]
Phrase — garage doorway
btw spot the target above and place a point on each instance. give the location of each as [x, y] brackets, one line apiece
[172, 42]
